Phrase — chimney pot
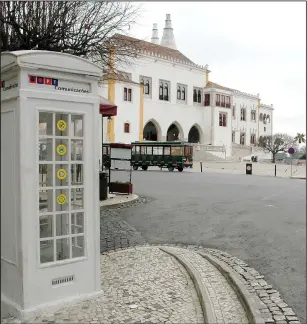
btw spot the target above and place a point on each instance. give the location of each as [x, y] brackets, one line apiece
[168, 39]
[155, 37]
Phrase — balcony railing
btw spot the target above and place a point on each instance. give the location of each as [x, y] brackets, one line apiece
[218, 103]
[228, 105]
[223, 104]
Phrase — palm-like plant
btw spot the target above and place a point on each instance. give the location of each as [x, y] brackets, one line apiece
[300, 137]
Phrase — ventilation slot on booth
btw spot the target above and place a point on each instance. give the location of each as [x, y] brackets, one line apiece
[63, 280]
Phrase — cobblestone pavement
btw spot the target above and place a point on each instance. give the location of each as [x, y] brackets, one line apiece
[226, 306]
[115, 232]
[142, 285]
[117, 199]
[261, 220]
[272, 307]
[146, 285]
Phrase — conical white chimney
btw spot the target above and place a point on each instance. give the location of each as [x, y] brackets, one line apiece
[155, 36]
[168, 39]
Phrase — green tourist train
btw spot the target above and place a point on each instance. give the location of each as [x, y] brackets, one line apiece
[171, 155]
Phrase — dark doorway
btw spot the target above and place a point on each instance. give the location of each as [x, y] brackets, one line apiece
[150, 132]
[194, 136]
[172, 133]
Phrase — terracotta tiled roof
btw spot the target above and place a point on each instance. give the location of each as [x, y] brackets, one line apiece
[118, 76]
[211, 84]
[153, 49]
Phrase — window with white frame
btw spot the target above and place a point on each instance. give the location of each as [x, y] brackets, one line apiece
[227, 102]
[234, 111]
[181, 93]
[127, 94]
[223, 119]
[207, 99]
[164, 90]
[253, 138]
[147, 81]
[61, 187]
[127, 127]
[253, 115]
[233, 136]
[197, 95]
[243, 114]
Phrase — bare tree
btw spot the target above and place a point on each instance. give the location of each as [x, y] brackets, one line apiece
[89, 29]
[276, 143]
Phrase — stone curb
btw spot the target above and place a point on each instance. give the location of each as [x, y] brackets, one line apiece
[300, 178]
[201, 290]
[252, 310]
[122, 204]
[271, 306]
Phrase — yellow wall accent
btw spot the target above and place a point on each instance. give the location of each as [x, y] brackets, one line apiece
[207, 77]
[141, 124]
[111, 95]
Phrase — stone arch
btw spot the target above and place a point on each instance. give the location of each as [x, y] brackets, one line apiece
[152, 131]
[195, 134]
[174, 132]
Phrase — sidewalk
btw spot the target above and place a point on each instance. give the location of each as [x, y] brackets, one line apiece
[169, 284]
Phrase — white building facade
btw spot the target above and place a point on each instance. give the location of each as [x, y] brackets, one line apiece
[164, 96]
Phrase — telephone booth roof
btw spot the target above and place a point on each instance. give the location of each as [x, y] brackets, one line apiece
[57, 61]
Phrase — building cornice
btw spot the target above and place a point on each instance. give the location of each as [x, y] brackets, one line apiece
[173, 60]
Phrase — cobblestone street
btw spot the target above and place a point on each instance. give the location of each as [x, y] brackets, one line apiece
[115, 232]
[151, 284]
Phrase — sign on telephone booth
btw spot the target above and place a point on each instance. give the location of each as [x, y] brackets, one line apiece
[50, 213]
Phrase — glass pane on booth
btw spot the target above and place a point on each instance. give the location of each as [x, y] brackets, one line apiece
[45, 149]
[62, 199]
[77, 223]
[45, 226]
[61, 124]
[46, 251]
[76, 150]
[45, 175]
[61, 149]
[62, 249]
[45, 126]
[77, 199]
[77, 246]
[61, 175]
[62, 224]
[45, 201]
[76, 126]
[76, 174]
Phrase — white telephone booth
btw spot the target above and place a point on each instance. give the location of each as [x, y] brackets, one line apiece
[50, 223]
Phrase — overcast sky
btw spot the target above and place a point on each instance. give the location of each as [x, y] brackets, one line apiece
[254, 47]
